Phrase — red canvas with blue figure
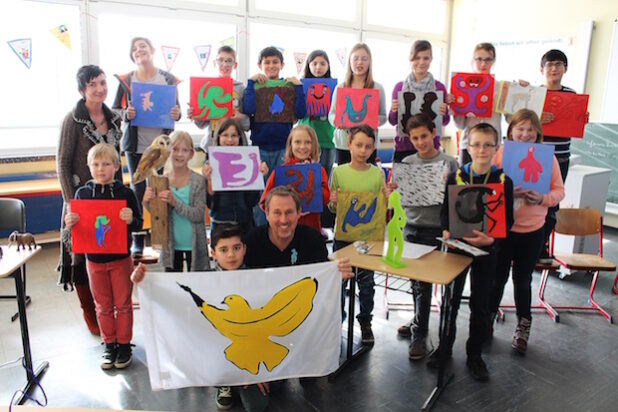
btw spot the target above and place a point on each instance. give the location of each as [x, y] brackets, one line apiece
[356, 106]
[99, 229]
[318, 94]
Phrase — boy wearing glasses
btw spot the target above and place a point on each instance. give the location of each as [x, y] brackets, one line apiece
[553, 66]
[482, 146]
[225, 62]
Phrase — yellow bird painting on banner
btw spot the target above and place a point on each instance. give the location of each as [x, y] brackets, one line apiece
[241, 327]
[360, 216]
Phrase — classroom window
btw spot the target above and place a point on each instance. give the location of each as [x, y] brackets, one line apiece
[345, 10]
[37, 98]
[412, 15]
[116, 29]
[299, 40]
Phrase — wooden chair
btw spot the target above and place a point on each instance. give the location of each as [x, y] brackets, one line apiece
[581, 222]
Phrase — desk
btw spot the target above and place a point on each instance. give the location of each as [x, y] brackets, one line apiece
[10, 266]
[435, 267]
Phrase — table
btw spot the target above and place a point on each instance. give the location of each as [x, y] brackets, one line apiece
[10, 266]
[435, 267]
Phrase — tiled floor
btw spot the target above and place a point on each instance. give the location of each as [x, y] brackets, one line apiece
[570, 366]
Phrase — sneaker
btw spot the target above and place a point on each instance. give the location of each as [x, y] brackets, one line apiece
[124, 357]
[434, 359]
[367, 334]
[521, 335]
[404, 331]
[477, 368]
[109, 356]
[224, 398]
[418, 348]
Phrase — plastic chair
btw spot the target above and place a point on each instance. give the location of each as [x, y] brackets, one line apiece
[581, 222]
[13, 212]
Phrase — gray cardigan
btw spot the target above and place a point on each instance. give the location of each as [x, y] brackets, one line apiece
[195, 212]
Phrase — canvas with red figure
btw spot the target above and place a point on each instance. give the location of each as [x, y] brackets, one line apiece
[356, 106]
[211, 98]
[570, 114]
[474, 93]
[318, 95]
[477, 207]
[99, 229]
[528, 165]
[306, 179]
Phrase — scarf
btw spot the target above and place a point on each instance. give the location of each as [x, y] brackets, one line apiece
[428, 84]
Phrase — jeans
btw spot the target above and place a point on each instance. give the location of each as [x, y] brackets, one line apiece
[421, 291]
[366, 290]
[481, 273]
[272, 158]
[327, 158]
[522, 250]
[111, 287]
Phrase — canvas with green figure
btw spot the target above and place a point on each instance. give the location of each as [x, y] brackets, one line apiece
[395, 232]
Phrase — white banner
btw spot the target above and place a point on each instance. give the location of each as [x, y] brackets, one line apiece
[241, 327]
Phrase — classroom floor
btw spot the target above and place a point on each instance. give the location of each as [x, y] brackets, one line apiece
[570, 366]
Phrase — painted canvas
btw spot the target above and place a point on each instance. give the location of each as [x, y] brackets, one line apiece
[306, 179]
[235, 168]
[476, 207]
[474, 93]
[570, 114]
[360, 216]
[274, 102]
[528, 165]
[153, 103]
[514, 97]
[420, 185]
[357, 106]
[318, 95]
[211, 98]
[411, 103]
[99, 229]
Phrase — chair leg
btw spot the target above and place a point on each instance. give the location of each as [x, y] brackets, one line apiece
[593, 303]
[548, 308]
[616, 285]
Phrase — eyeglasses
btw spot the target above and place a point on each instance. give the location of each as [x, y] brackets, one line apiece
[483, 60]
[363, 59]
[222, 61]
[557, 65]
[477, 146]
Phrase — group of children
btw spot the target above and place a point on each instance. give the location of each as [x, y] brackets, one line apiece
[314, 140]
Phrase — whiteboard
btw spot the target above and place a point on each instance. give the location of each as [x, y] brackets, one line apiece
[609, 110]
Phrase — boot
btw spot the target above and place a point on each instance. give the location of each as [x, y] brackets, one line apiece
[521, 335]
[87, 303]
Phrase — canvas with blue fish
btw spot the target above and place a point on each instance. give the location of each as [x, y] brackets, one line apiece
[274, 102]
[306, 179]
[153, 103]
[529, 165]
[360, 216]
[318, 95]
[356, 106]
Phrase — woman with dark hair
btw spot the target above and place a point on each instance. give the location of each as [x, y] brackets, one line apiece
[136, 139]
[90, 122]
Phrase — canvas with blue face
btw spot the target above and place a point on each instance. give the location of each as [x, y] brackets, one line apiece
[318, 95]
[152, 103]
[529, 165]
[306, 179]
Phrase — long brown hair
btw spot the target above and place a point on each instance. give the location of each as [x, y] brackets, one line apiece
[315, 150]
[520, 117]
[349, 75]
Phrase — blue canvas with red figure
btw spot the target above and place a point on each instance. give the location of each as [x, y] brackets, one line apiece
[99, 229]
[306, 179]
[318, 95]
[529, 165]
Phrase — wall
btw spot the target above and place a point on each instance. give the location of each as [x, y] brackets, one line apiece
[475, 21]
